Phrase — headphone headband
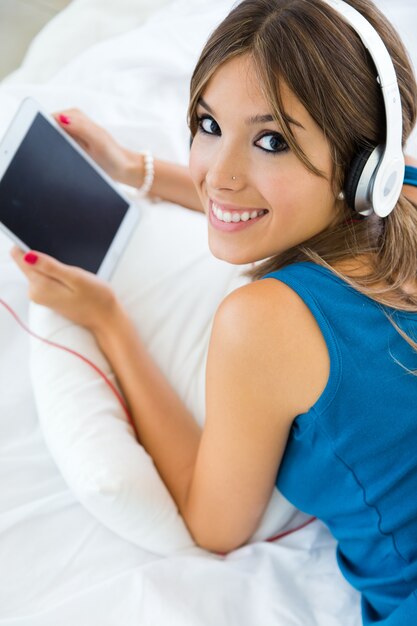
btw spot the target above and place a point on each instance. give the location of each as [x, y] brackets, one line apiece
[386, 182]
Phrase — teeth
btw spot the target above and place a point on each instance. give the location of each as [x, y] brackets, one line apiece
[234, 216]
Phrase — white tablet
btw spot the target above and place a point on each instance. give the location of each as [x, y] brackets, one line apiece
[54, 198]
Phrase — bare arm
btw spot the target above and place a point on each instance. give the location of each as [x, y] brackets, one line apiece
[172, 182]
[221, 478]
[267, 363]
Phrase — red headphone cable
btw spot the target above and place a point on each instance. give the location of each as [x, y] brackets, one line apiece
[80, 356]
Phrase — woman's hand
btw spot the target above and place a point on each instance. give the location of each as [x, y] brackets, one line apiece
[71, 291]
[115, 160]
[172, 182]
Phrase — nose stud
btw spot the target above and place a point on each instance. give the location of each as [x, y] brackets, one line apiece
[233, 177]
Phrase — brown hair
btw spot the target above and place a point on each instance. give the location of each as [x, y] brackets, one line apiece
[308, 45]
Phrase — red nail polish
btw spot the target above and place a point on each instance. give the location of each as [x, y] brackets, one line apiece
[64, 119]
[31, 258]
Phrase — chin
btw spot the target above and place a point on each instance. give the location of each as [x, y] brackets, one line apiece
[234, 257]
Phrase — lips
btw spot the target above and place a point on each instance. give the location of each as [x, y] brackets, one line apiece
[233, 215]
[229, 218]
[234, 208]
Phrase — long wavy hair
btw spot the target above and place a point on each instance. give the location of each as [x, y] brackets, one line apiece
[309, 46]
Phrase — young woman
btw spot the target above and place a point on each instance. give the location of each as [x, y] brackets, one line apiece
[311, 373]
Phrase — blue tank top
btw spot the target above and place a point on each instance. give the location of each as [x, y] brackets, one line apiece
[351, 460]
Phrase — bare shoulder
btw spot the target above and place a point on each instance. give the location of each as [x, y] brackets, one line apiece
[268, 322]
[267, 363]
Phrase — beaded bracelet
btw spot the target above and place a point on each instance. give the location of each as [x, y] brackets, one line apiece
[149, 173]
[410, 175]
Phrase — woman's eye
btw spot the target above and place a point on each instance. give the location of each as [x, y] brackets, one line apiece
[207, 125]
[273, 142]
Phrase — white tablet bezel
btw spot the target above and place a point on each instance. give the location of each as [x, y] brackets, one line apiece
[9, 145]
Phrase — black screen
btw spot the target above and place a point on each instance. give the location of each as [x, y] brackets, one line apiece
[55, 202]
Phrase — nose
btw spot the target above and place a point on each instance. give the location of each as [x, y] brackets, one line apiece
[226, 170]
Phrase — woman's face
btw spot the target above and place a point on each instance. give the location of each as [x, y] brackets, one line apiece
[242, 168]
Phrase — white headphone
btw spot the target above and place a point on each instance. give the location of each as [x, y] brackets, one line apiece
[376, 177]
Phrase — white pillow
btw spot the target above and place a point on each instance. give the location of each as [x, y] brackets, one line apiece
[171, 286]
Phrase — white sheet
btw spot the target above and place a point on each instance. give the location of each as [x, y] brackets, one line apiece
[57, 564]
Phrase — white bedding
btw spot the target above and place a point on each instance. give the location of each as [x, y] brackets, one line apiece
[58, 565]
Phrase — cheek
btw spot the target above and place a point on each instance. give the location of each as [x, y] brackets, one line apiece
[304, 203]
[281, 191]
[295, 185]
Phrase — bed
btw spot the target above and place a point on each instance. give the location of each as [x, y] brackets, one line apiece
[127, 65]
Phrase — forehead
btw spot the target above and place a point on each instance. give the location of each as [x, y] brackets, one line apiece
[236, 84]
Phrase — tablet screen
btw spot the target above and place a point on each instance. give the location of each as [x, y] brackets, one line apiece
[56, 202]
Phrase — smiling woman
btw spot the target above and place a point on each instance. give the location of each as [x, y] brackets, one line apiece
[278, 60]
[311, 371]
[244, 141]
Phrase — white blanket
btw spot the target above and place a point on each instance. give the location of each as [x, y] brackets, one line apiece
[58, 565]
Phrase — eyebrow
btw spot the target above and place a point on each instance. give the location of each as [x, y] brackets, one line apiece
[254, 119]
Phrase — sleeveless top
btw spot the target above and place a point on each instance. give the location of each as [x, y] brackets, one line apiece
[410, 175]
[351, 460]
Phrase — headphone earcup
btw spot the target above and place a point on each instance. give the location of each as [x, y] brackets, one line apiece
[354, 175]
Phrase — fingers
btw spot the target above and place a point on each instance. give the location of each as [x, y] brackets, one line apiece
[70, 291]
[42, 289]
[76, 124]
[17, 255]
[37, 263]
[74, 116]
